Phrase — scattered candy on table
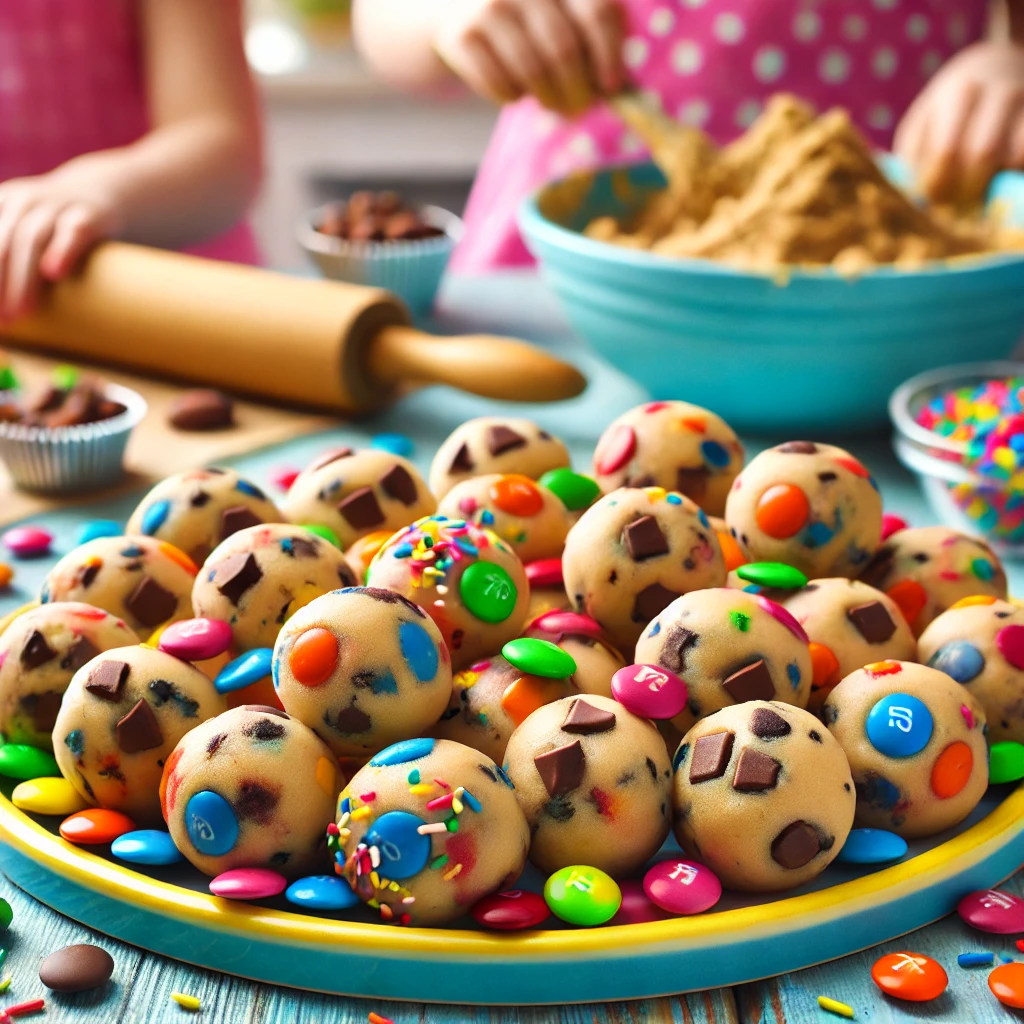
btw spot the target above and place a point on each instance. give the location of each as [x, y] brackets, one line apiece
[146, 846]
[95, 826]
[582, 895]
[1007, 985]
[836, 1007]
[248, 884]
[649, 691]
[5, 985]
[100, 528]
[910, 976]
[187, 1002]
[20, 761]
[376, 1018]
[20, 1009]
[77, 968]
[872, 846]
[682, 886]
[6, 914]
[6, 574]
[27, 541]
[975, 959]
[1006, 762]
[514, 910]
[47, 796]
[988, 910]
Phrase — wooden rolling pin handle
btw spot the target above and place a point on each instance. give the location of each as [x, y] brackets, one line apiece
[479, 363]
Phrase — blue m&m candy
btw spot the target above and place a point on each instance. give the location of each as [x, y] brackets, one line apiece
[959, 659]
[404, 850]
[146, 846]
[321, 892]
[871, 846]
[211, 823]
[899, 725]
[245, 670]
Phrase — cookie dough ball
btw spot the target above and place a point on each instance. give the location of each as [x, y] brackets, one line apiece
[360, 554]
[915, 740]
[762, 794]
[633, 553]
[144, 581]
[437, 818]
[467, 579]
[730, 647]
[674, 445]
[594, 781]
[850, 625]
[259, 577]
[495, 444]
[596, 660]
[39, 653]
[927, 569]
[355, 493]
[364, 667]
[251, 788]
[526, 515]
[813, 506]
[122, 715]
[980, 643]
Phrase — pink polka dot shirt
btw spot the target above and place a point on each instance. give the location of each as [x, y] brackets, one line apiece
[713, 64]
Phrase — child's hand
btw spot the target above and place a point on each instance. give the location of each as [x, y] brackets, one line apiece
[560, 51]
[46, 225]
[967, 123]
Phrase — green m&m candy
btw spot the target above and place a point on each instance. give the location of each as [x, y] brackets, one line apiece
[583, 895]
[8, 382]
[323, 531]
[488, 591]
[20, 761]
[574, 490]
[772, 574]
[6, 914]
[539, 658]
[1006, 762]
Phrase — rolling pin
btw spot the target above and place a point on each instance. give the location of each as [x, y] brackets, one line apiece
[302, 342]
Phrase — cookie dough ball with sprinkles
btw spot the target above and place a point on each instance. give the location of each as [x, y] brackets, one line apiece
[364, 667]
[979, 642]
[633, 553]
[927, 569]
[122, 715]
[594, 781]
[674, 445]
[584, 641]
[427, 829]
[40, 651]
[468, 580]
[199, 508]
[762, 794]
[357, 492]
[916, 743]
[251, 788]
[495, 444]
[730, 647]
[809, 505]
[524, 513]
[144, 581]
[261, 576]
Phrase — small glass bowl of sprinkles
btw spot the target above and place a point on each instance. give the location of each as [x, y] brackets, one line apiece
[961, 430]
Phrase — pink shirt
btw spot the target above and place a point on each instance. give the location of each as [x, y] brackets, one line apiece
[713, 63]
[71, 82]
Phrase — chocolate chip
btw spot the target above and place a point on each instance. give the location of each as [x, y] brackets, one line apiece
[76, 968]
[43, 707]
[503, 439]
[872, 621]
[350, 721]
[585, 718]
[265, 709]
[875, 572]
[200, 499]
[693, 482]
[677, 643]
[139, 729]
[561, 769]
[398, 483]
[80, 653]
[827, 478]
[644, 539]
[235, 575]
[150, 603]
[361, 510]
[327, 458]
[236, 518]
[107, 679]
[36, 651]
[202, 409]
[755, 771]
[797, 448]
[462, 463]
[88, 573]
[256, 802]
[651, 601]
[711, 755]
[301, 547]
[264, 730]
[751, 683]
[767, 725]
[796, 845]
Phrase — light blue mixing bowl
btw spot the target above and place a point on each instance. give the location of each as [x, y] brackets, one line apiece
[818, 352]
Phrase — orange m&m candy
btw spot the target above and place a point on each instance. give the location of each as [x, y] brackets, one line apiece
[314, 656]
[95, 826]
[733, 553]
[910, 596]
[522, 697]
[824, 666]
[782, 511]
[952, 770]
[968, 602]
[1007, 985]
[911, 976]
[363, 550]
[517, 495]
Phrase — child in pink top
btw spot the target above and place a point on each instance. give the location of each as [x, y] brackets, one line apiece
[913, 68]
[131, 119]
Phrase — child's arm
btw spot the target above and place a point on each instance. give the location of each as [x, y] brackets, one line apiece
[189, 178]
[556, 50]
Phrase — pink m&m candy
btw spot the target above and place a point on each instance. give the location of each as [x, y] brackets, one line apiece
[776, 611]
[545, 572]
[1010, 641]
[196, 639]
[992, 911]
[649, 691]
[511, 911]
[892, 524]
[636, 908]
[28, 541]
[564, 622]
[284, 477]
[682, 886]
[248, 884]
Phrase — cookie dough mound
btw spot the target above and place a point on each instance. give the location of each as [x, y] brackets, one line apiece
[762, 794]
[594, 781]
[915, 740]
[251, 788]
[427, 829]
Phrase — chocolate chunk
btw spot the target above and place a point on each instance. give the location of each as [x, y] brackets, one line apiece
[36, 651]
[561, 769]
[398, 483]
[80, 653]
[256, 802]
[301, 547]
[43, 707]
[350, 721]
[327, 458]
[768, 725]
[462, 463]
[139, 729]
[678, 641]
[235, 575]
[361, 510]
[236, 518]
[202, 409]
[200, 499]
[585, 718]
[502, 439]
[755, 771]
[107, 679]
[88, 573]
[644, 539]
[264, 730]
[872, 621]
[751, 683]
[797, 447]
[150, 603]
[693, 481]
[651, 601]
[827, 478]
[796, 845]
[875, 572]
[76, 968]
[711, 755]
[266, 709]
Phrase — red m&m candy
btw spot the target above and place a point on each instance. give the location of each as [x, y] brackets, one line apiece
[910, 976]
[511, 911]
[992, 911]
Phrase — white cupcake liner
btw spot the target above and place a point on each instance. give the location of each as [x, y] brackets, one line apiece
[65, 460]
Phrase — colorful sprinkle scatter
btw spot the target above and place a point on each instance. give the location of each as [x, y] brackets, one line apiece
[836, 1007]
[187, 1002]
[975, 959]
